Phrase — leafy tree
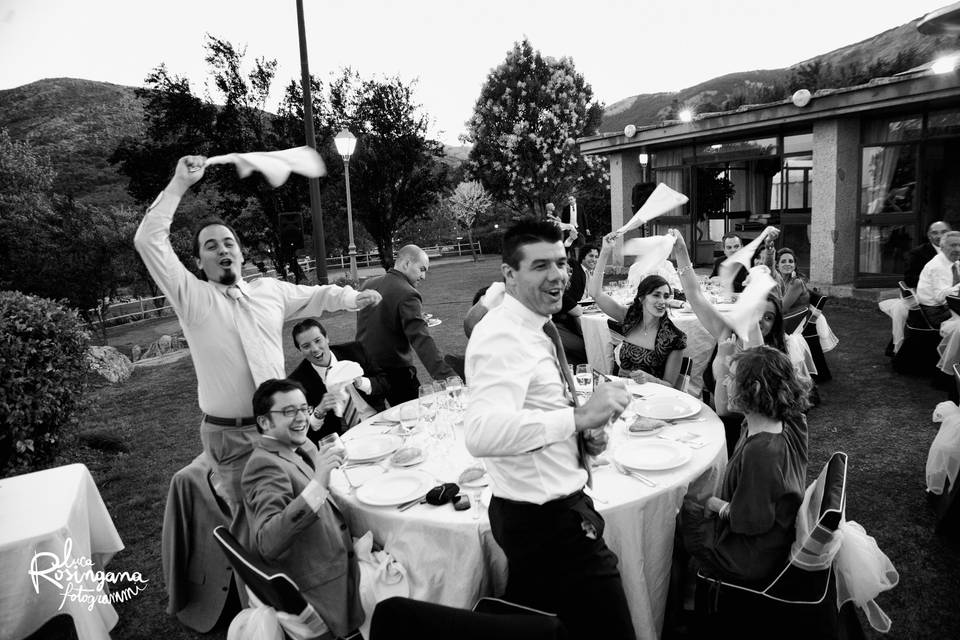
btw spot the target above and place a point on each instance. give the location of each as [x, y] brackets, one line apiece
[524, 128]
[469, 202]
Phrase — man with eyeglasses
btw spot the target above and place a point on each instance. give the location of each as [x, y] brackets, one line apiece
[296, 527]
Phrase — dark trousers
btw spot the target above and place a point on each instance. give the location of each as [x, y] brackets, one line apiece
[404, 385]
[936, 315]
[558, 562]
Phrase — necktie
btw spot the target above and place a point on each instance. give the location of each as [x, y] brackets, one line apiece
[956, 273]
[349, 409]
[551, 330]
[306, 457]
[251, 337]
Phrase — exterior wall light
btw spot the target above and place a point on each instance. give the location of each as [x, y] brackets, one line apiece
[801, 97]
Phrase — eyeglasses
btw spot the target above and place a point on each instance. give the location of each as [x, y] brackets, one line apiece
[291, 412]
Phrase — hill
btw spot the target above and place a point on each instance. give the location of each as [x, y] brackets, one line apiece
[650, 108]
[77, 123]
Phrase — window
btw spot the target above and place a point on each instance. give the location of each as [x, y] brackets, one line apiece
[889, 179]
[791, 186]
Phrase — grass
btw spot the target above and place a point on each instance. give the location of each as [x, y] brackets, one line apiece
[881, 419]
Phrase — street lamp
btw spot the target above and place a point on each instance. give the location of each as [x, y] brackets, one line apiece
[346, 142]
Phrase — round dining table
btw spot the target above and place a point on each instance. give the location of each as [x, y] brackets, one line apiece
[451, 557]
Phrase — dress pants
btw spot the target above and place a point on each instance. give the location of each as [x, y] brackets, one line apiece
[404, 385]
[558, 562]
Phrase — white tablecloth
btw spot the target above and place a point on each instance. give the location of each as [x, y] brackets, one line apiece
[452, 559]
[599, 344]
[43, 512]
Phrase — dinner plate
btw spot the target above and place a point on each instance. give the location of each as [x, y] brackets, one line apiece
[652, 455]
[409, 463]
[394, 487]
[433, 322]
[367, 448]
[666, 407]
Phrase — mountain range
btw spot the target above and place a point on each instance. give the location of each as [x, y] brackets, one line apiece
[78, 123]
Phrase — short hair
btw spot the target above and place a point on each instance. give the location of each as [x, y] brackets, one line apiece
[784, 251]
[263, 396]
[948, 234]
[634, 315]
[410, 252]
[765, 382]
[587, 248]
[731, 234]
[209, 222]
[524, 232]
[303, 326]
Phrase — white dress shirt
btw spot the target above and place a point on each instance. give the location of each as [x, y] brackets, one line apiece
[207, 315]
[936, 281]
[363, 383]
[520, 416]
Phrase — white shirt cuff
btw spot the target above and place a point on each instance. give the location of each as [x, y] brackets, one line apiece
[363, 384]
[558, 425]
[315, 495]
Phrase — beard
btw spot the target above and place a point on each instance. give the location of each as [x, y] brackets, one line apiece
[228, 278]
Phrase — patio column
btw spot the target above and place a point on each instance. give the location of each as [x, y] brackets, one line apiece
[624, 174]
[833, 219]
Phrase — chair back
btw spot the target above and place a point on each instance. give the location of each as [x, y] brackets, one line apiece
[795, 322]
[908, 296]
[956, 375]
[815, 308]
[953, 303]
[274, 589]
[683, 378]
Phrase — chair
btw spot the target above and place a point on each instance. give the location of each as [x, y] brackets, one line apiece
[683, 378]
[808, 329]
[918, 353]
[404, 618]
[798, 602]
[276, 590]
[792, 322]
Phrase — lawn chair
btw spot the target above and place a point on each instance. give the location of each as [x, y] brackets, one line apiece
[918, 354]
[799, 602]
[403, 618]
[275, 590]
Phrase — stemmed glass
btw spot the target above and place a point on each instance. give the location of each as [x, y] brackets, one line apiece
[427, 407]
[454, 390]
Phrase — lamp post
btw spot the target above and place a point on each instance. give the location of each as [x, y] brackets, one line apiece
[346, 142]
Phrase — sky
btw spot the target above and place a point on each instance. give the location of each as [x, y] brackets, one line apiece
[621, 47]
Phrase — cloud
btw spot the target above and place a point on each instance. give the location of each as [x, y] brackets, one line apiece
[8, 16]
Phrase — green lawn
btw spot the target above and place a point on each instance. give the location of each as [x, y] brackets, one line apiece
[881, 419]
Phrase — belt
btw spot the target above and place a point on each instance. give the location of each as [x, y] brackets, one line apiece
[562, 502]
[230, 422]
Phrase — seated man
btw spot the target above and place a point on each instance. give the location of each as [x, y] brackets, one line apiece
[731, 244]
[365, 396]
[918, 257]
[940, 278]
[295, 525]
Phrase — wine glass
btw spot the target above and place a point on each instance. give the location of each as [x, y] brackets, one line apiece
[426, 403]
[454, 390]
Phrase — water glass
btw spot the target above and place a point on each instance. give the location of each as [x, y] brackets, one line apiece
[454, 391]
[333, 441]
[427, 405]
[583, 378]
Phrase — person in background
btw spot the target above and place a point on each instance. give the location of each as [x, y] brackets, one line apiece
[793, 285]
[395, 329]
[940, 278]
[732, 243]
[918, 257]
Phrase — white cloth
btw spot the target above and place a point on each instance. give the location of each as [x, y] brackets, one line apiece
[662, 200]
[898, 310]
[653, 252]
[949, 347]
[381, 577]
[828, 339]
[943, 460]
[42, 512]
[262, 622]
[276, 166]
[936, 281]
[225, 383]
[750, 305]
[451, 557]
[518, 416]
[730, 267]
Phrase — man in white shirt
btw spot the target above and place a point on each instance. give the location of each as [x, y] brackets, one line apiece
[940, 278]
[234, 327]
[523, 420]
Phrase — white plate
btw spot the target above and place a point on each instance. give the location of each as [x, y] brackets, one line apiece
[433, 322]
[666, 407]
[409, 463]
[367, 448]
[395, 487]
[652, 455]
[401, 412]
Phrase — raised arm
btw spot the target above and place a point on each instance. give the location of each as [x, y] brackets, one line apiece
[706, 313]
[721, 369]
[607, 304]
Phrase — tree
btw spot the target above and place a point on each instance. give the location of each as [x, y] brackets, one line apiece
[469, 202]
[524, 128]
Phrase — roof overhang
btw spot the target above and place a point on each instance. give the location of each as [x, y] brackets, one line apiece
[882, 93]
[943, 21]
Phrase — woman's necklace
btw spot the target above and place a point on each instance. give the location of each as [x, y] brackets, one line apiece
[644, 329]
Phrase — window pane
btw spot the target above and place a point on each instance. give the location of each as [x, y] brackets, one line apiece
[667, 158]
[790, 188]
[738, 149]
[889, 179]
[795, 144]
[896, 129]
[884, 247]
[941, 123]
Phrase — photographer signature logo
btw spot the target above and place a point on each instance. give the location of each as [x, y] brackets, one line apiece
[78, 580]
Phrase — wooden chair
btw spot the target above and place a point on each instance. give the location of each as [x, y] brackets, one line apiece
[797, 602]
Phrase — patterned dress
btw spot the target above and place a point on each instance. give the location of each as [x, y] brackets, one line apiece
[631, 357]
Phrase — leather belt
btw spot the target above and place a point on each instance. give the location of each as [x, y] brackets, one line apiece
[230, 422]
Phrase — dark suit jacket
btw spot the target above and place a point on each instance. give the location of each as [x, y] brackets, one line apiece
[916, 259]
[392, 330]
[306, 375]
[196, 573]
[737, 280]
[314, 549]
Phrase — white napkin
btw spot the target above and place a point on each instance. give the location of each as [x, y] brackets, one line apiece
[494, 295]
[381, 577]
[652, 252]
[339, 375]
[276, 166]
[746, 312]
[729, 267]
[662, 199]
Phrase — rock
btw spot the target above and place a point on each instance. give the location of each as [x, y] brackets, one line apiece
[109, 363]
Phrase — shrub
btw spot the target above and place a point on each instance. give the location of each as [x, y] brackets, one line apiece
[42, 378]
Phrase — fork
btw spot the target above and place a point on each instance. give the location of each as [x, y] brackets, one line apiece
[634, 474]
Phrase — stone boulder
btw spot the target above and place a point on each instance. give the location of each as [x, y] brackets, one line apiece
[109, 363]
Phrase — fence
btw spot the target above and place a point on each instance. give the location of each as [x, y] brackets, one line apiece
[137, 310]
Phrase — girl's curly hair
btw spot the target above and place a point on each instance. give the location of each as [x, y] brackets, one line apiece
[766, 383]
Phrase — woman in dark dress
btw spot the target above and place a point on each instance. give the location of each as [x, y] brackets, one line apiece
[744, 534]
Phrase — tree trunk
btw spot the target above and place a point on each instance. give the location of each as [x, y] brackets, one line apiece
[473, 251]
[385, 250]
